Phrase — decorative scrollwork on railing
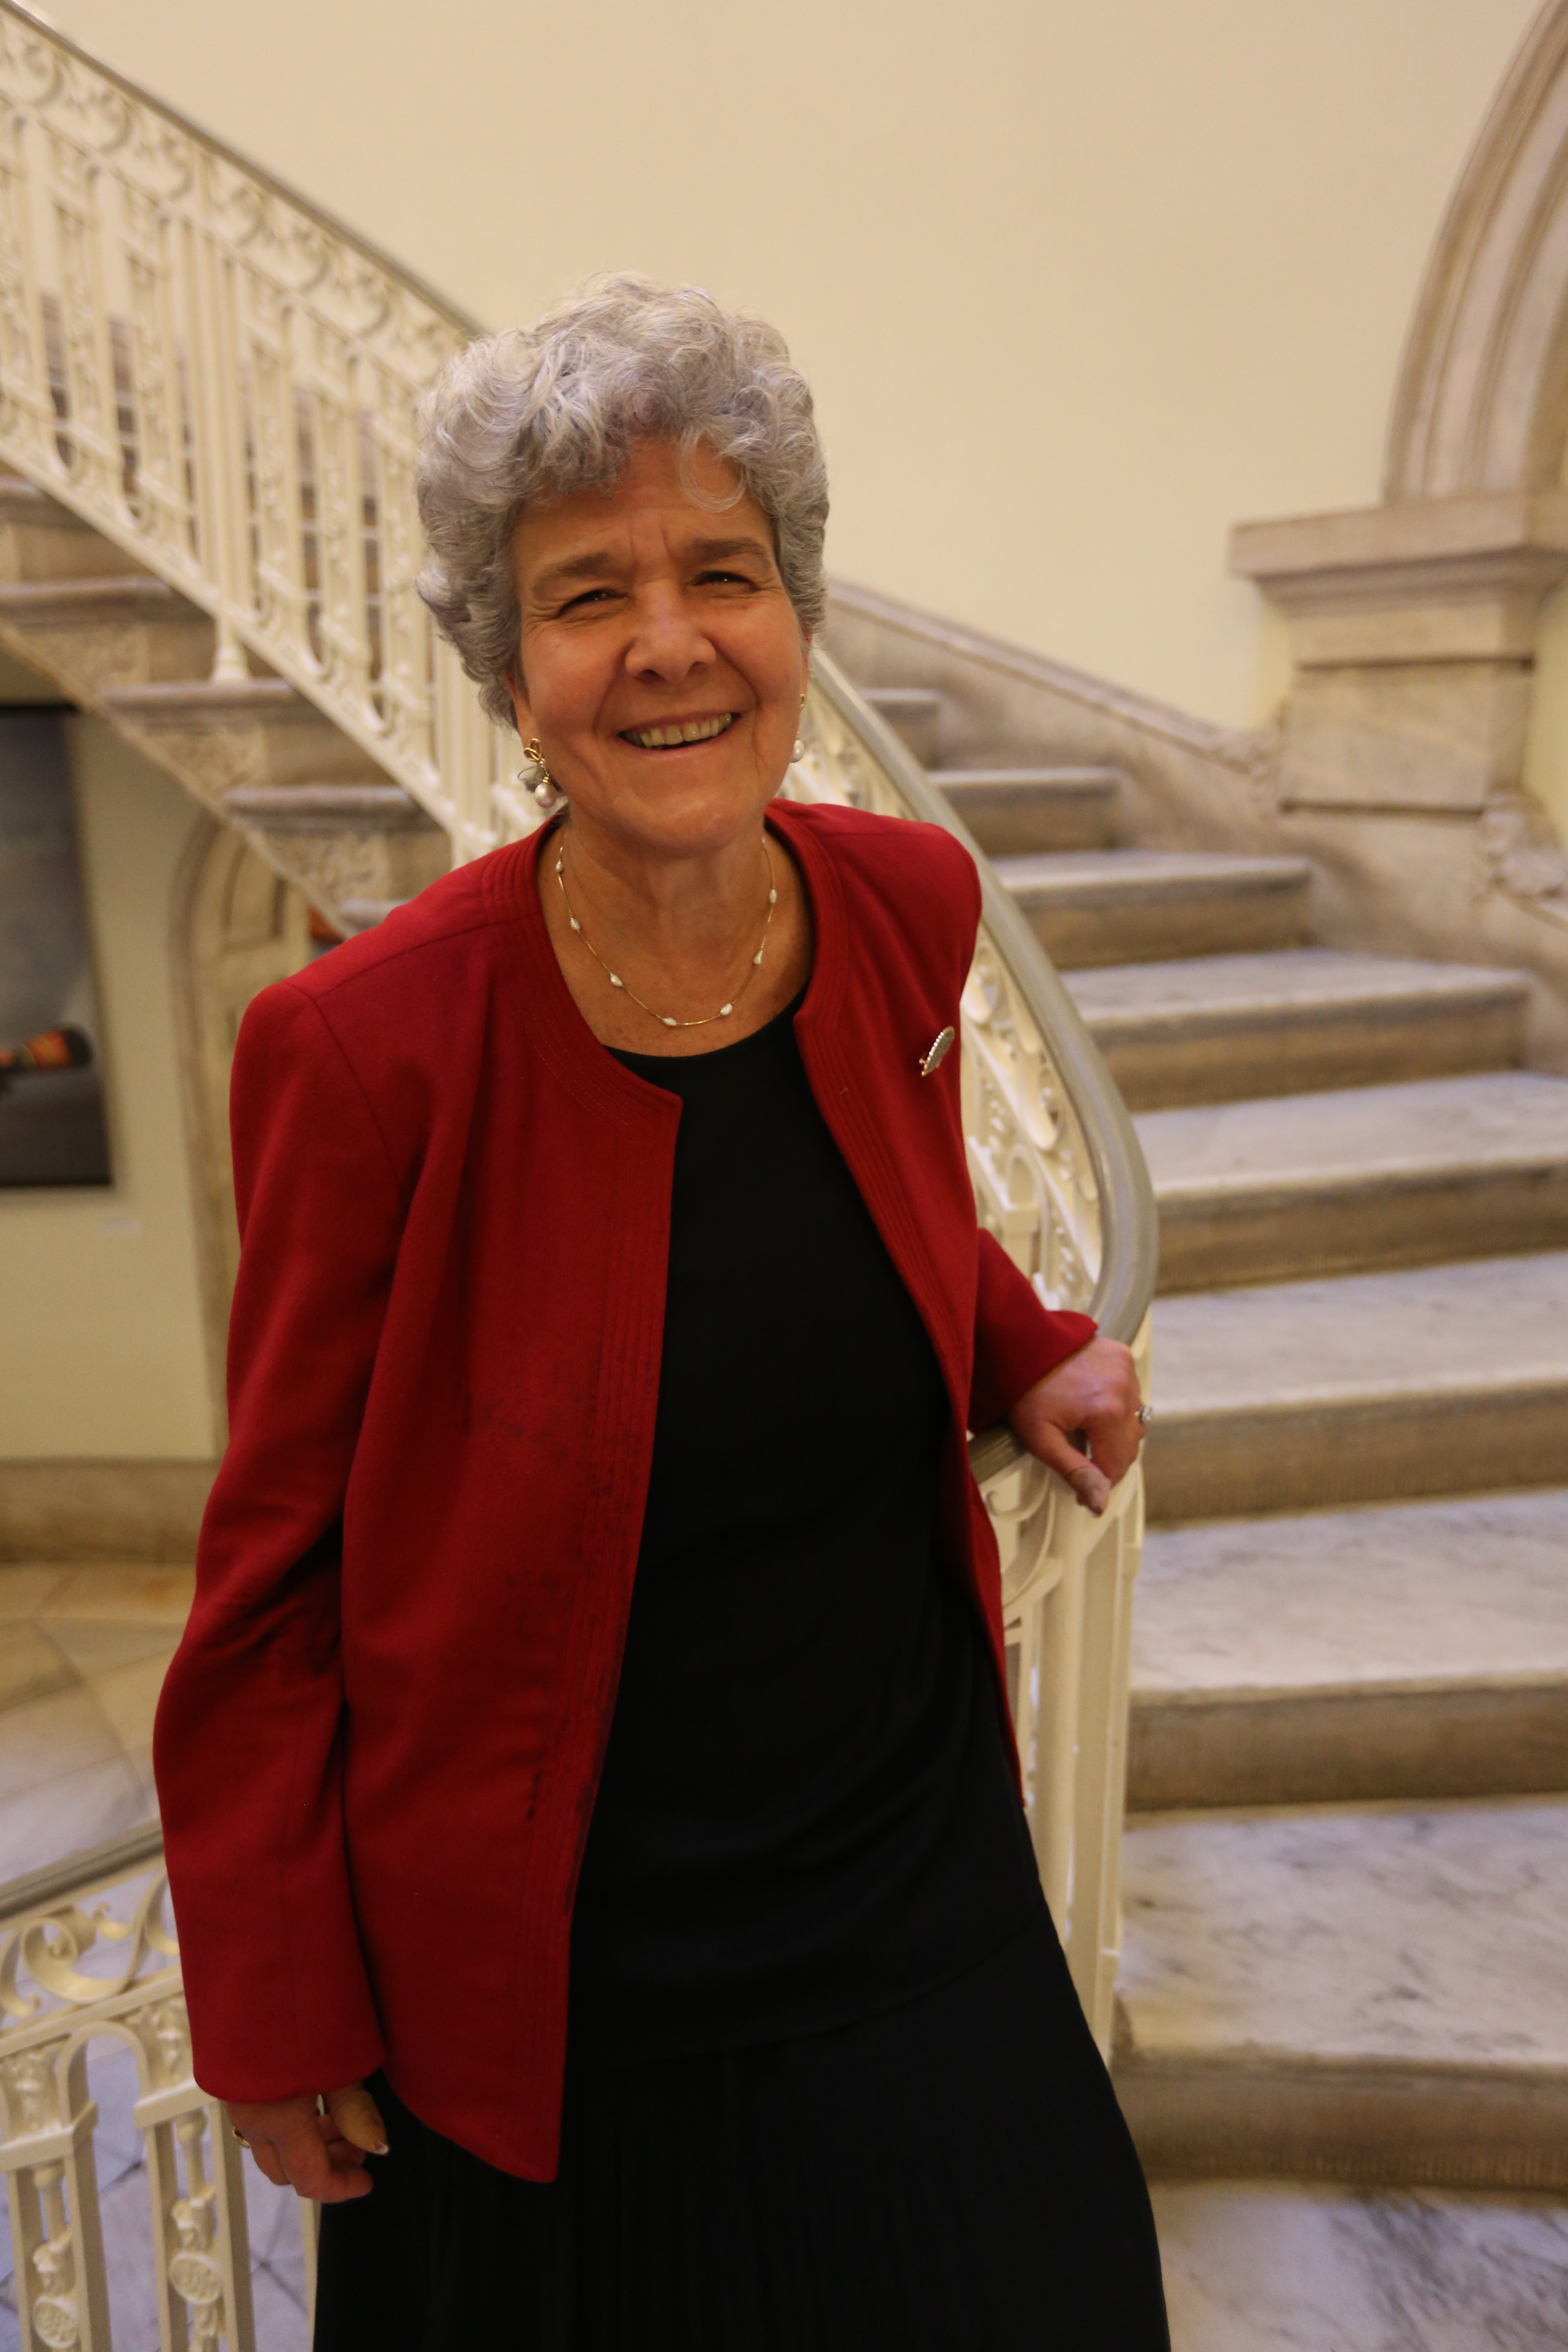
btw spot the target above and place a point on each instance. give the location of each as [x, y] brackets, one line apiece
[49, 1947]
[57, 2004]
[1065, 1576]
[227, 383]
[1034, 1180]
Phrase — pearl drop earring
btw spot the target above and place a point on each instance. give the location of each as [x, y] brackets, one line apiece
[541, 783]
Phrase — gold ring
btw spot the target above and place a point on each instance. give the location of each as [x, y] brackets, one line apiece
[239, 2136]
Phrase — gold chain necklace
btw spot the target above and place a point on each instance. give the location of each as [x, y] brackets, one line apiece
[668, 1019]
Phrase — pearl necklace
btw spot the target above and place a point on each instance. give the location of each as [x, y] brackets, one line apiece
[668, 1019]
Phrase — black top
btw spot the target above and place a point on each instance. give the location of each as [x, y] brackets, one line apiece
[806, 1812]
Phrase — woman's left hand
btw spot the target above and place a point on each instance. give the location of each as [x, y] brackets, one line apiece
[1082, 1419]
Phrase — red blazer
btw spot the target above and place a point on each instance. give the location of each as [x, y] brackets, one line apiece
[378, 1746]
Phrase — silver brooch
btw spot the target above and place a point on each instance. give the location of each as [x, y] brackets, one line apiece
[935, 1054]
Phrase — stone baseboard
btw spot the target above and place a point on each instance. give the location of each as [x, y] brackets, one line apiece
[95, 1508]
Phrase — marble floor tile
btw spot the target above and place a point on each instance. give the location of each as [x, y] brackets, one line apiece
[1251, 2267]
[46, 1739]
[32, 1665]
[24, 1590]
[96, 1645]
[1433, 1932]
[128, 1696]
[83, 1652]
[42, 1825]
[131, 1593]
[277, 2264]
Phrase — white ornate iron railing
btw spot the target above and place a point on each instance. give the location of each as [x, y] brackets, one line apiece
[82, 1964]
[224, 382]
[1059, 1179]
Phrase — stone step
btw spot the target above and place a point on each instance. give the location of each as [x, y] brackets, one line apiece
[261, 727]
[107, 629]
[914, 714]
[325, 808]
[1370, 1176]
[1221, 1028]
[1275, 2266]
[258, 736]
[1371, 1993]
[41, 540]
[1133, 906]
[1436, 1381]
[1024, 812]
[1416, 1650]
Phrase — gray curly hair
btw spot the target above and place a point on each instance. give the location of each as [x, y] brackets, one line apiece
[538, 412]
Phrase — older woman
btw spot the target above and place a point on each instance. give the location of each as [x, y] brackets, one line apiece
[587, 1764]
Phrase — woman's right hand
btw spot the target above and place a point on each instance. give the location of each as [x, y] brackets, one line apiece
[317, 2155]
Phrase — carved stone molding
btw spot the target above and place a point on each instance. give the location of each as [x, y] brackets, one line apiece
[1482, 399]
[1518, 854]
[1458, 579]
[1412, 624]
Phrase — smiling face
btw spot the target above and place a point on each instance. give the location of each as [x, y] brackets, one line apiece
[662, 664]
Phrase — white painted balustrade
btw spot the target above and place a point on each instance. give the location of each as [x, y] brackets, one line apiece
[93, 1965]
[225, 384]
[1066, 1578]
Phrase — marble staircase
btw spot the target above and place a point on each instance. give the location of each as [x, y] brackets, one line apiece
[77, 609]
[1343, 2033]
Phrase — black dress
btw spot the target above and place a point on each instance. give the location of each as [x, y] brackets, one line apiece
[828, 2084]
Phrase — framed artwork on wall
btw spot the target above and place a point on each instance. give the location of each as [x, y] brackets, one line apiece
[53, 1130]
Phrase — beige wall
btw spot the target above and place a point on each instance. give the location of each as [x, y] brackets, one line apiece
[1079, 282]
[104, 1350]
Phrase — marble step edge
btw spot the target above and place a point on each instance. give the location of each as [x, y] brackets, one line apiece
[1116, 877]
[1427, 1736]
[327, 808]
[1239, 1459]
[77, 601]
[1408, 1173]
[1328, 1227]
[919, 701]
[23, 501]
[1378, 2121]
[1067, 783]
[1421, 1386]
[1437, 990]
[1240, 1232]
[207, 702]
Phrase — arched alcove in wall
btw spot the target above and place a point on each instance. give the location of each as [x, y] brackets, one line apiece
[1481, 402]
[237, 927]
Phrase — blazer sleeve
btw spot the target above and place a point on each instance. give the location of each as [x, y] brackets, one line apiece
[1017, 1340]
[249, 1733]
